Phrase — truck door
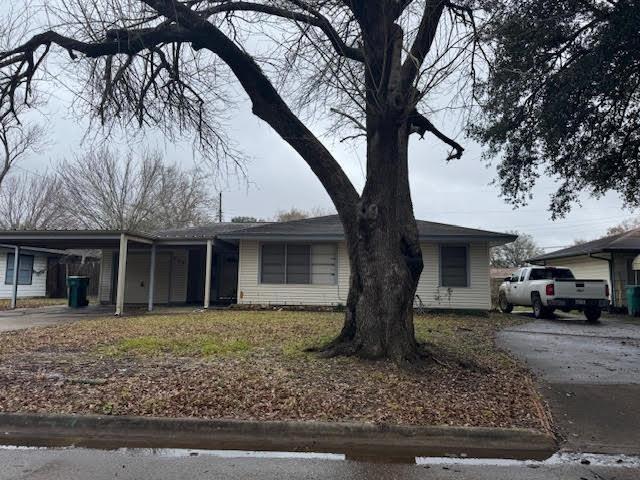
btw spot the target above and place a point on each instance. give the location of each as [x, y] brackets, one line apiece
[511, 289]
[524, 294]
[519, 290]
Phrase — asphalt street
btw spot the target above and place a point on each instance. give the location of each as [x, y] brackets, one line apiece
[589, 375]
[80, 464]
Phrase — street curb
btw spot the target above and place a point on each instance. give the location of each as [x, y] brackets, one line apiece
[356, 440]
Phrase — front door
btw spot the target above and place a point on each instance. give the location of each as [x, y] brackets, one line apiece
[226, 278]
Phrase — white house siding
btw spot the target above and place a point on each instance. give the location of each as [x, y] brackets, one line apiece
[585, 267]
[476, 296]
[38, 287]
[170, 277]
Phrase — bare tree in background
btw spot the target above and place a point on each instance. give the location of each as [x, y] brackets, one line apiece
[18, 136]
[17, 140]
[378, 67]
[107, 190]
[32, 202]
[516, 253]
[622, 227]
[298, 214]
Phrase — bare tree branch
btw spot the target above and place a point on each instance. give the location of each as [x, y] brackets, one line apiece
[420, 124]
[316, 20]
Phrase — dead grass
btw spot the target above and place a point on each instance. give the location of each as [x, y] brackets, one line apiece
[35, 302]
[252, 365]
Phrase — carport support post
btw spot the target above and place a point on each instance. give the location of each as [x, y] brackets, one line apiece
[207, 277]
[122, 274]
[152, 276]
[14, 288]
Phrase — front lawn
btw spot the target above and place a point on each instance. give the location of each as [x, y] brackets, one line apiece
[253, 365]
[32, 302]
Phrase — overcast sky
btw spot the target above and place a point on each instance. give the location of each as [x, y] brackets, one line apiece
[458, 192]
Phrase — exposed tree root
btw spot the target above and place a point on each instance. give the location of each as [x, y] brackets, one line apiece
[424, 355]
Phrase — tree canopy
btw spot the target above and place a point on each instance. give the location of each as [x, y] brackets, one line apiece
[562, 97]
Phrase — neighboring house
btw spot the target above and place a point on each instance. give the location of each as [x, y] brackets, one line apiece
[32, 272]
[41, 272]
[302, 262]
[610, 258]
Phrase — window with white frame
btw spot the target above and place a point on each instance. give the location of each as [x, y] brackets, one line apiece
[25, 270]
[296, 263]
[454, 266]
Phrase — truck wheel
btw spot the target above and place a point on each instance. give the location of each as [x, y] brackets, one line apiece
[538, 309]
[592, 314]
[504, 305]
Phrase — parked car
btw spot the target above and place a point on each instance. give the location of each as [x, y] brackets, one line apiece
[547, 288]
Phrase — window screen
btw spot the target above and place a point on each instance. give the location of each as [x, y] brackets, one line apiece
[453, 266]
[273, 266]
[324, 261]
[298, 264]
[25, 270]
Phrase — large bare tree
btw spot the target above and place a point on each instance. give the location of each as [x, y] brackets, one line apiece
[105, 189]
[378, 65]
[32, 202]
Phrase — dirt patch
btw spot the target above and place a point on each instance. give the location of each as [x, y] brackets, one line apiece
[252, 365]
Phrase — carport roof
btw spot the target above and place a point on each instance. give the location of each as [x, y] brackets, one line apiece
[70, 239]
[620, 242]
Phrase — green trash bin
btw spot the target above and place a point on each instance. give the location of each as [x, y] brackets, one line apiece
[633, 300]
[78, 291]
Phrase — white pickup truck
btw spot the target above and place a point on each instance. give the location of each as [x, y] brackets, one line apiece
[548, 288]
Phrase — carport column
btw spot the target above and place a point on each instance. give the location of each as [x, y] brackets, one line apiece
[122, 274]
[207, 276]
[14, 288]
[152, 276]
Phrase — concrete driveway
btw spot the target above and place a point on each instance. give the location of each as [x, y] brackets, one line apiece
[590, 376]
[22, 318]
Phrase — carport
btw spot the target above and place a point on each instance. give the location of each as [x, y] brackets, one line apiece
[120, 241]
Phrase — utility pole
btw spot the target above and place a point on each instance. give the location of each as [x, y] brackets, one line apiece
[220, 208]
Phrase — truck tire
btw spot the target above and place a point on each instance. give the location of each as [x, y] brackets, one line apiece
[592, 314]
[539, 310]
[504, 305]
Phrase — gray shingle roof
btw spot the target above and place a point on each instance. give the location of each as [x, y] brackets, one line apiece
[626, 241]
[330, 228]
[210, 230]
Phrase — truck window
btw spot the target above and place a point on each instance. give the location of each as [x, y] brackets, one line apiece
[550, 273]
[515, 276]
[522, 274]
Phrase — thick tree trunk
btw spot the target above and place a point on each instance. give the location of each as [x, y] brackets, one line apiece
[384, 253]
[385, 258]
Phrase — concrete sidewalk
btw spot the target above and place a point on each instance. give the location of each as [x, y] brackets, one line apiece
[589, 375]
[22, 318]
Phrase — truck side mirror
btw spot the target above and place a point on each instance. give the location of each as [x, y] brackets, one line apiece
[508, 279]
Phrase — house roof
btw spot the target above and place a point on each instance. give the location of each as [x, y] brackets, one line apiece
[210, 230]
[330, 228]
[318, 228]
[620, 242]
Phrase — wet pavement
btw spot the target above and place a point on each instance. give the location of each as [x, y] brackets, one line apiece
[80, 464]
[589, 375]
